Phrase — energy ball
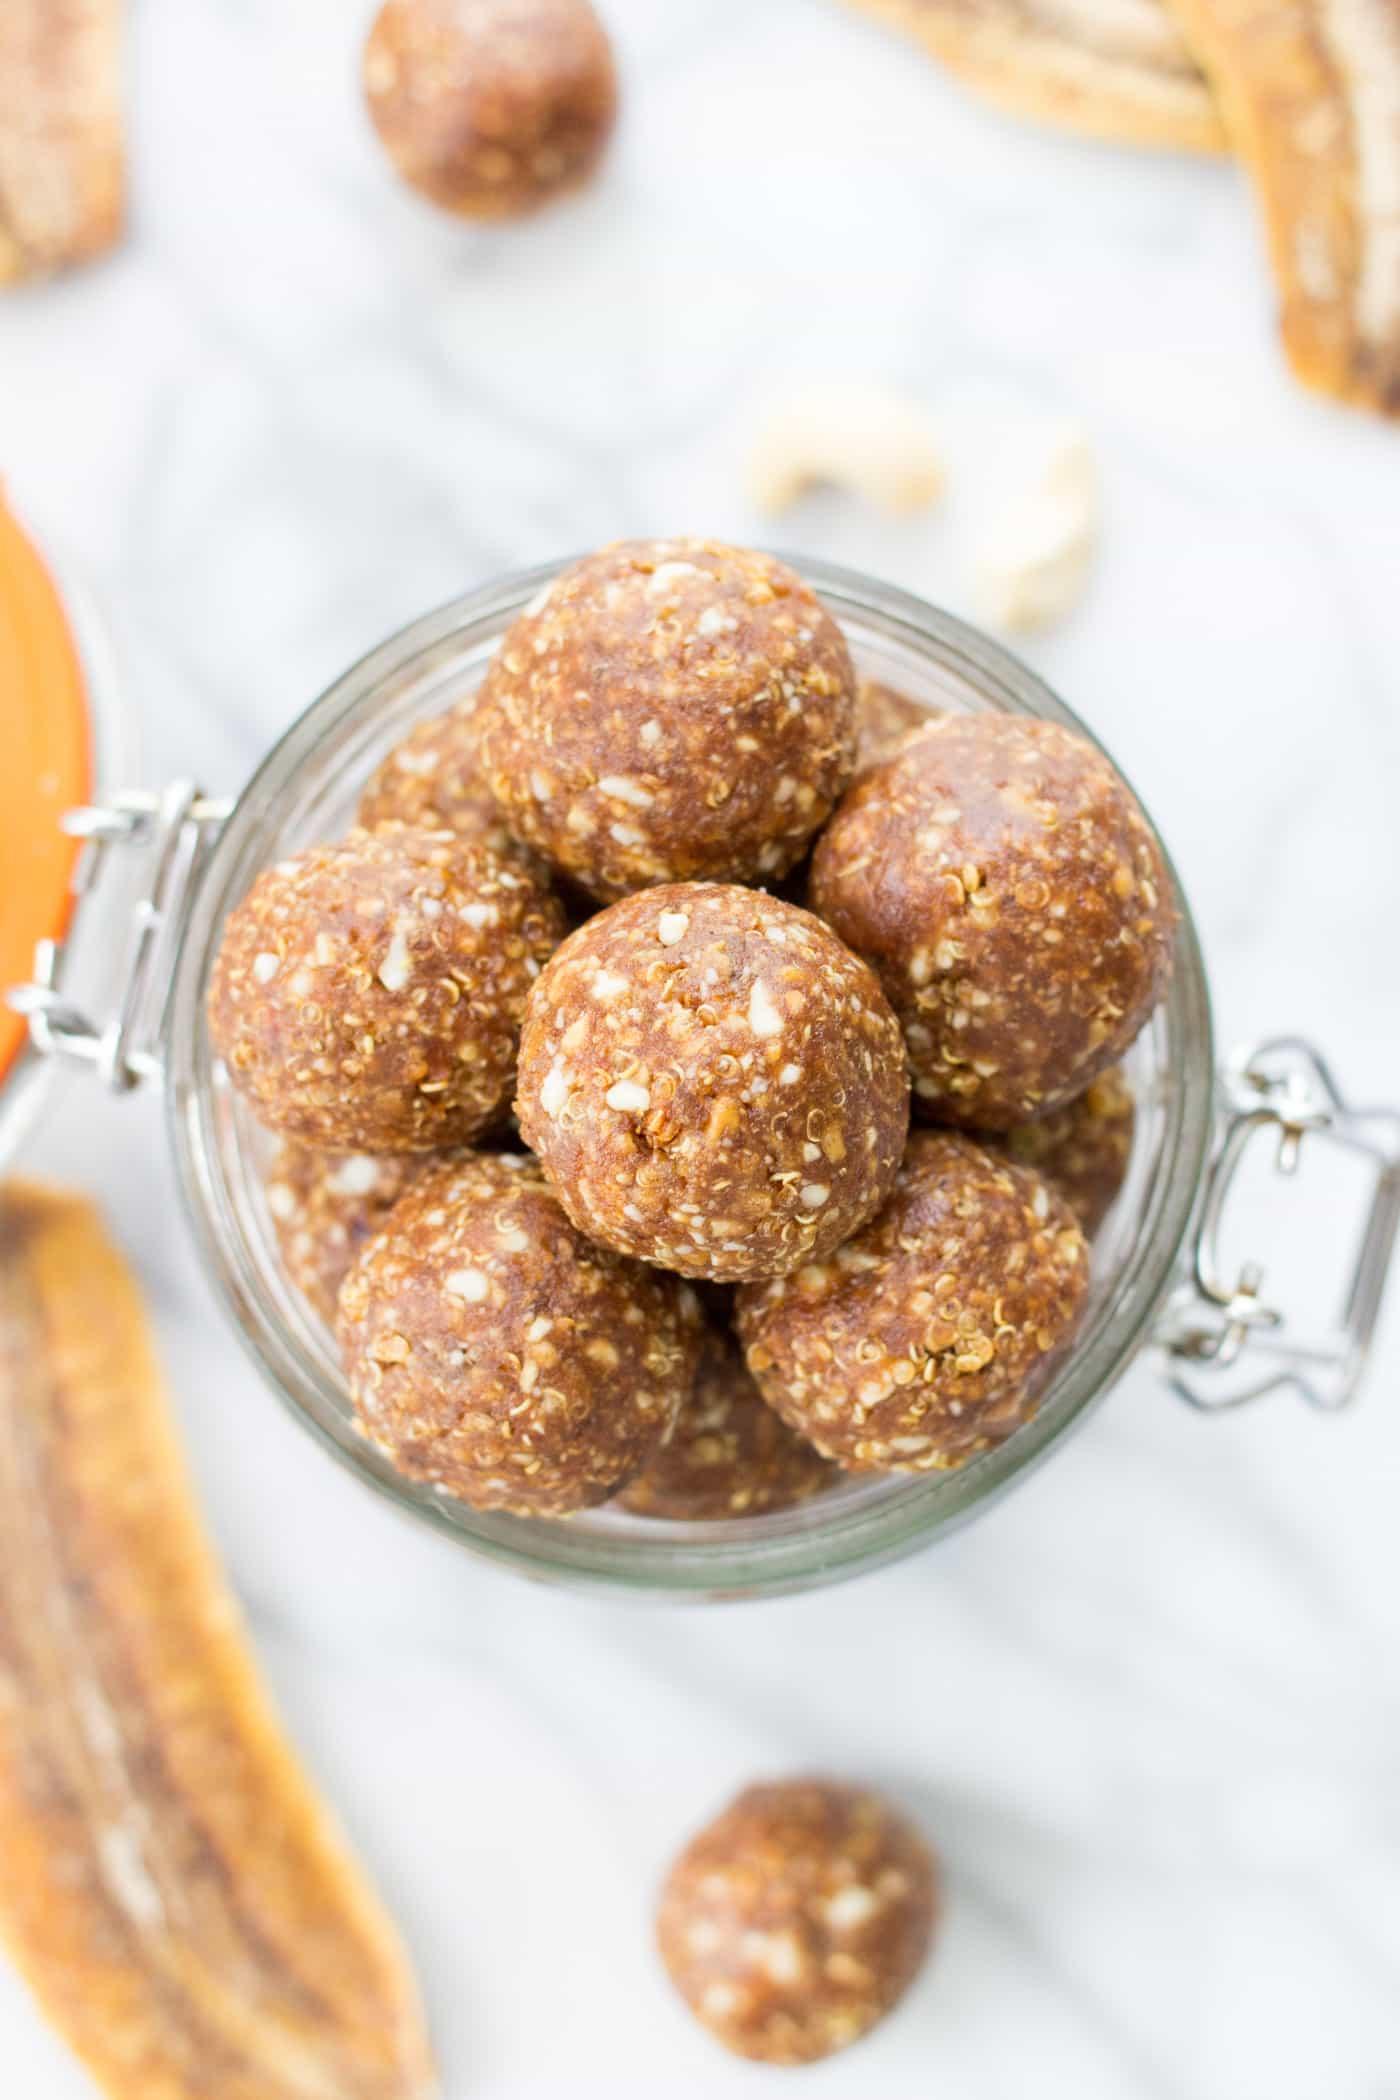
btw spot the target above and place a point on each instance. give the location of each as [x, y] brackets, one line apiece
[885, 719]
[713, 1083]
[728, 1455]
[491, 108]
[432, 781]
[368, 995]
[1083, 1149]
[325, 1205]
[493, 1352]
[1001, 879]
[798, 1919]
[928, 1337]
[670, 709]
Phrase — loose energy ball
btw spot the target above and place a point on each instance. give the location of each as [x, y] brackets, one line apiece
[367, 996]
[325, 1205]
[712, 1082]
[495, 1353]
[670, 709]
[927, 1338]
[1001, 879]
[1083, 1150]
[728, 1455]
[798, 1918]
[491, 108]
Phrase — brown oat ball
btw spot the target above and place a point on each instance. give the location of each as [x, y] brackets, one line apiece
[728, 1455]
[670, 709]
[367, 995]
[494, 1352]
[491, 108]
[927, 1338]
[712, 1082]
[325, 1205]
[1001, 878]
[798, 1918]
[432, 781]
[1083, 1150]
[885, 717]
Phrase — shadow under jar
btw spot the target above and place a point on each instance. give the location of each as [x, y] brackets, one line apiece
[1155, 1250]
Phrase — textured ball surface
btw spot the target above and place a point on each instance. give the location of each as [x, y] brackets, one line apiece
[494, 1352]
[712, 1082]
[1001, 879]
[798, 1918]
[491, 108]
[728, 1455]
[367, 996]
[669, 710]
[928, 1337]
[325, 1205]
[1083, 1150]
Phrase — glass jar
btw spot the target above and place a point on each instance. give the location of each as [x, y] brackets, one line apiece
[1156, 1269]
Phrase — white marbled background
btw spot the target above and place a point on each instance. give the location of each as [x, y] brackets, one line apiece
[1150, 1708]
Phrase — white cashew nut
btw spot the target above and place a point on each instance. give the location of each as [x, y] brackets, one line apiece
[1035, 563]
[879, 443]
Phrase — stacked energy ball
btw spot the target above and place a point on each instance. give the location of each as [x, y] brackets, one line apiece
[713, 1268]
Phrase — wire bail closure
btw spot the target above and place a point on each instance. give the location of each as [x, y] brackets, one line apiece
[1281, 1087]
[173, 830]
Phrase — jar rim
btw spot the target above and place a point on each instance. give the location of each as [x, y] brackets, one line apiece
[742, 1557]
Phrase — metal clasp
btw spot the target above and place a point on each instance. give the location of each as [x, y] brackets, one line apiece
[1284, 1089]
[173, 831]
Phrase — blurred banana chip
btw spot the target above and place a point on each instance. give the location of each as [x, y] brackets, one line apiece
[1116, 69]
[62, 160]
[1311, 95]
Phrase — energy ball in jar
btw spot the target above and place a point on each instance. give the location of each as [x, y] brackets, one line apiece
[1083, 1150]
[1002, 880]
[432, 781]
[325, 1205]
[713, 1083]
[491, 108]
[670, 710]
[798, 1919]
[728, 1455]
[496, 1354]
[928, 1337]
[885, 719]
[367, 996]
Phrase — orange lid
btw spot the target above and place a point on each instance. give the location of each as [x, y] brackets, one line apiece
[45, 764]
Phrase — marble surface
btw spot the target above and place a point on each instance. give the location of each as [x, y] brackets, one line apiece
[1150, 1708]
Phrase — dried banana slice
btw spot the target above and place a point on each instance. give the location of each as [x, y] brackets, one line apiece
[62, 175]
[1311, 95]
[1117, 69]
[171, 1887]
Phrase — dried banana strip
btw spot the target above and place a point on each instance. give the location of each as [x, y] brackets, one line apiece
[171, 1887]
[1311, 94]
[1117, 69]
[62, 175]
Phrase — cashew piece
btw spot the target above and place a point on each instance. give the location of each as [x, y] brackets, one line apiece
[1034, 564]
[866, 438]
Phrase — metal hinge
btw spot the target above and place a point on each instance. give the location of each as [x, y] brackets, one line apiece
[1284, 1089]
[171, 832]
